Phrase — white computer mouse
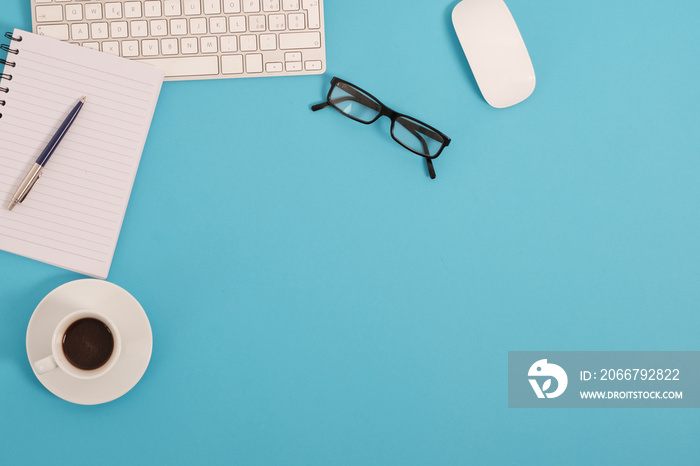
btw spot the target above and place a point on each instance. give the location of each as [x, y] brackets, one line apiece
[495, 51]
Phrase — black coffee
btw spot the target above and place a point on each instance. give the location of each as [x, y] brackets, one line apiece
[88, 344]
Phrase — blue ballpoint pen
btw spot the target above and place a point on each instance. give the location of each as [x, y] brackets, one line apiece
[35, 171]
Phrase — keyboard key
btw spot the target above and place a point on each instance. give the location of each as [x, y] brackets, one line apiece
[232, 64]
[93, 11]
[209, 45]
[290, 5]
[198, 25]
[232, 6]
[132, 9]
[296, 21]
[130, 48]
[217, 25]
[74, 12]
[172, 8]
[313, 65]
[229, 44]
[277, 22]
[254, 63]
[271, 5]
[152, 8]
[139, 28]
[79, 31]
[45, 14]
[292, 56]
[92, 45]
[188, 45]
[256, 23]
[300, 40]
[111, 47]
[149, 47]
[268, 42]
[178, 27]
[313, 13]
[113, 10]
[57, 31]
[293, 66]
[99, 30]
[118, 29]
[248, 43]
[169, 46]
[212, 7]
[192, 7]
[273, 67]
[251, 6]
[236, 24]
[186, 66]
[159, 27]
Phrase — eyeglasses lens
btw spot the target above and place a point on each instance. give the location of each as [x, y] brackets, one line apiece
[417, 137]
[354, 103]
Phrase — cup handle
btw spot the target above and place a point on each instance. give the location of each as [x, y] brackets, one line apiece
[45, 365]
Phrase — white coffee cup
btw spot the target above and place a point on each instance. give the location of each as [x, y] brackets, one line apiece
[58, 360]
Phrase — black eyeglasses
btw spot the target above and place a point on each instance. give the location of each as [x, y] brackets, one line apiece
[360, 105]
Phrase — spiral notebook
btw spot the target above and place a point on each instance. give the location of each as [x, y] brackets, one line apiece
[73, 215]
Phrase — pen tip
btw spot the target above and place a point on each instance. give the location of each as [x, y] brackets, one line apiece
[83, 99]
[11, 206]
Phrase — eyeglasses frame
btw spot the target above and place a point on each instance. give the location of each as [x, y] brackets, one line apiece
[393, 116]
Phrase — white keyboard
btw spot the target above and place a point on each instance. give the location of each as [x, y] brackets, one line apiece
[195, 39]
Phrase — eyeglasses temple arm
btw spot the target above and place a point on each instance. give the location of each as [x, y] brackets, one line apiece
[320, 106]
[355, 96]
[415, 130]
[421, 139]
[361, 98]
[427, 131]
[431, 169]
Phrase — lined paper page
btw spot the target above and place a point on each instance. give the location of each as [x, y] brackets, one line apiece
[73, 215]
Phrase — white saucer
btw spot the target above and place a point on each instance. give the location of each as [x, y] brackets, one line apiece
[127, 315]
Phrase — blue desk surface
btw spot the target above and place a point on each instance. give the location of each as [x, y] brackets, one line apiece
[316, 299]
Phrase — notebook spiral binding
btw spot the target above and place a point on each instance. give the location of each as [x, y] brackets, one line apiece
[5, 62]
